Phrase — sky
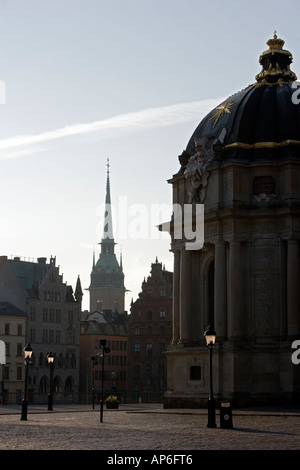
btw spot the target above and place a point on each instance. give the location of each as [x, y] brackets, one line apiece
[82, 81]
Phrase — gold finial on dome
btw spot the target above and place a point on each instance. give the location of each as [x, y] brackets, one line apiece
[275, 63]
[275, 42]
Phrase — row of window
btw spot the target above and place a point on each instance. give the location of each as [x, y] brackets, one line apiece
[52, 296]
[7, 329]
[67, 361]
[7, 370]
[149, 314]
[149, 330]
[148, 349]
[147, 371]
[53, 337]
[113, 345]
[51, 315]
[19, 351]
[110, 375]
[162, 292]
[111, 359]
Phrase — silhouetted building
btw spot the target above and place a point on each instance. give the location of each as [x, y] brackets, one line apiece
[115, 362]
[13, 333]
[52, 325]
[149, 333]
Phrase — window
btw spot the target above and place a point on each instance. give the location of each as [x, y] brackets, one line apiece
[6, 329]
[136, 331]
[149, 315]
[162, 314]
[162, 348]
[57, 316]
[45, 336]
[32, 335]
[51, 315]
[195, 373]
[163, 292]
[45, 314]
[51, 336]
[149, 349]
[149, 330]
[137, 349]
[6, 373]
[32, 313]
[19, 329]
[19, 373]
[57, 337]
[19, 350]
[41, 359]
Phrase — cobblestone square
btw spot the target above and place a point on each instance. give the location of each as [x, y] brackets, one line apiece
[148, 427]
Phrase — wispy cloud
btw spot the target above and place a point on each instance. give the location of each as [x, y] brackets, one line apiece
[137, 121]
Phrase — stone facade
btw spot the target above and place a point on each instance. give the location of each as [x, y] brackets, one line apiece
[149, 334]
[53, 323]
[115, 362]
[245, 279]
[12, 332]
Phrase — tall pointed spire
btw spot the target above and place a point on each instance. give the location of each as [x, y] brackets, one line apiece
[78, 290]
[107, 277]
[108, 228]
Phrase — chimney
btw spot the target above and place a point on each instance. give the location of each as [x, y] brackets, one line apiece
[3, 260]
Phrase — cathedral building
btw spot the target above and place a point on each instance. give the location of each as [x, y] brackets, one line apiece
[243, 163]
[107, 290]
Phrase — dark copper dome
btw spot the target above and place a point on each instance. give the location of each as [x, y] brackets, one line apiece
[261, 122]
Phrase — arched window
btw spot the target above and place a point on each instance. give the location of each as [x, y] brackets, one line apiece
[44, 385]
[41, 359]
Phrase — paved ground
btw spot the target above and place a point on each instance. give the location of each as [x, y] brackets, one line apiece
[145, 427]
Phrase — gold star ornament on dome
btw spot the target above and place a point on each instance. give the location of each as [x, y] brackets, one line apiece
[222, 109]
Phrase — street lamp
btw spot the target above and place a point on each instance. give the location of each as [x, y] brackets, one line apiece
[93, 358]
[105, 349]
[27, 361]
[50, 358]
[210, 337]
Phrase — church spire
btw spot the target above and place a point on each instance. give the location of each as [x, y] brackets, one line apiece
[108, 228]
[78, 290]
[107, 277]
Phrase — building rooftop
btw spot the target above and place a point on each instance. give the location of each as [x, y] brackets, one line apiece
[10, 310]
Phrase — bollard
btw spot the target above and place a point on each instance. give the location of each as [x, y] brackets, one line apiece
[225, 415]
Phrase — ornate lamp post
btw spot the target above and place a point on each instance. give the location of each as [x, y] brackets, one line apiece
[27, 361]
[210, 337]
[93, 358]
[50, 358]
[105, 349]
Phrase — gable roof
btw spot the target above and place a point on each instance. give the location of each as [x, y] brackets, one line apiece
[10, 310]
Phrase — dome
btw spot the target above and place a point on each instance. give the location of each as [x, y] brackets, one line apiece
[261, 122]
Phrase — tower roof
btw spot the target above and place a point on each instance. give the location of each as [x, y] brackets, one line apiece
[108, 227]
[107, 261]
[258, 123]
